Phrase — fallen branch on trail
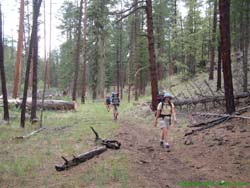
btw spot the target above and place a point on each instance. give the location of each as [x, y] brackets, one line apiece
[106, 144]
[209, 125]
[111, 144]
[214, 122]
[30, 134]
[80, 159]
[219, 115]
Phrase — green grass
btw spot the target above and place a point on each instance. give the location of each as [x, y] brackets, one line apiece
[30, 163]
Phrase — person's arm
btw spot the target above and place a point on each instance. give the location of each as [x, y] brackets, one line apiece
[156, 117]
[174, 115]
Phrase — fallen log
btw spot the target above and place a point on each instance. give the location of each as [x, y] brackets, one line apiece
[30, 134]
[214, 122]
[49, 104]
[111, 144]
[209, 125]
[219, 115]
[106, 144]
[80, 158]
[207, 99]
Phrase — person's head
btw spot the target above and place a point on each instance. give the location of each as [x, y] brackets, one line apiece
[113, 94]
[117, 94]
[167, 97]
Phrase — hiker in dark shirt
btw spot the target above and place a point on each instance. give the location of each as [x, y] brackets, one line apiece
[115, 103]
[107, 103]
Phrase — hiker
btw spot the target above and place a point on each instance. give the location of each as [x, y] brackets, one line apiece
[115, 103]
[107, 103]
[165, 110]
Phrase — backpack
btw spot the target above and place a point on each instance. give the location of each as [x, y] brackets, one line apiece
[116, 101]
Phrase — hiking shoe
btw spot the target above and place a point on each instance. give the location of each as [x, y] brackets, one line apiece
[161, 144]
[166, 145]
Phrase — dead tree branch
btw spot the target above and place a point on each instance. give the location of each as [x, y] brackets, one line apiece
[30, 134]
[132, 11]
[128, 9]
[80, 159]
[111, 144]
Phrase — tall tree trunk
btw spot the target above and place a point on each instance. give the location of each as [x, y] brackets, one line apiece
[84, 55]
[37, 5]
[117, 70]
[212, 44]
[77, 53]
[48, 80]
[19, 51]
[245, 45]
[2, 72]
[153, 71]
[35, 65]
[172, 67]
[224, 7]
[219, 68]
[136, 64]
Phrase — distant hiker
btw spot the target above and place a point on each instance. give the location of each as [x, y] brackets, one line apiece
[107, 103]
[165, 110]
[115, 102]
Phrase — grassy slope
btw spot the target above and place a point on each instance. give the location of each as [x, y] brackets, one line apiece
[30, 162]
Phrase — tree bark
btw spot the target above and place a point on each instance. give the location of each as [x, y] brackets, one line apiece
[245, 41]
[35, 64]
[153, 68]
[136, 64]
[37, 4]
[212, 44]
[19, 51]
[207, 99]
[219, 69]
[2, 73]
[224, 7]
[77, 53]
[80, 158]
[84, 55]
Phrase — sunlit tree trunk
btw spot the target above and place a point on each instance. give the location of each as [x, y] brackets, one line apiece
[19, 51]
[37, 5]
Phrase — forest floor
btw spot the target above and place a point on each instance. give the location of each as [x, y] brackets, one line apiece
[217, 157]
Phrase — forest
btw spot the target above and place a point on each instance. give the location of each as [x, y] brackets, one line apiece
[197, 50]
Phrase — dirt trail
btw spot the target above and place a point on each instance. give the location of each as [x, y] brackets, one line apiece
[217, 155]
[151, 161]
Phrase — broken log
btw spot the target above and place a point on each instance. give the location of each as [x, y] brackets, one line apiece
[30, 134]
[48, 104]
[207, 99]
[214, 122]
[219, 115]
[209, 125]
[80, 158]
[111, 144]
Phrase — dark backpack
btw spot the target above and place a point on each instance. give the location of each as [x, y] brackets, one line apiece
[116, 101]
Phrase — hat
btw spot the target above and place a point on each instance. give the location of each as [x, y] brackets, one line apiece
[168, 95]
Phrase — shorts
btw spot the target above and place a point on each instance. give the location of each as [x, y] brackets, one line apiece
[115, 108]
[164, 122]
